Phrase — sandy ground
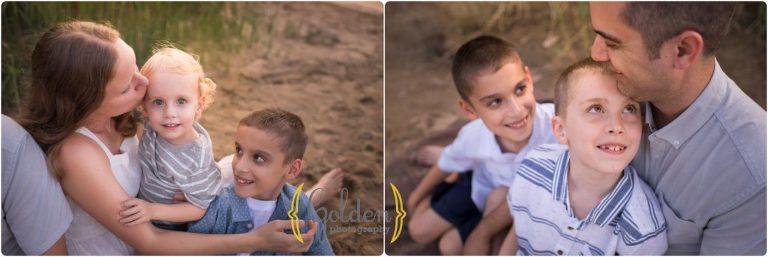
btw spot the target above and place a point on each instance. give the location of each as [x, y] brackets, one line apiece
[328, 70]
[421, 101]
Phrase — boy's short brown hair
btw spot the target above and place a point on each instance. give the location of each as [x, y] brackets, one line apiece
[287, 126]
[481, 54]
[566, 78]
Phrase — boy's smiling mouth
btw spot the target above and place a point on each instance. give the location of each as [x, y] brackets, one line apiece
[242, 181]
[613, 148]
[171, 125]
[518, 124]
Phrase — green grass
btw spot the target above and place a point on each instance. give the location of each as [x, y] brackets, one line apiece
[208, 29]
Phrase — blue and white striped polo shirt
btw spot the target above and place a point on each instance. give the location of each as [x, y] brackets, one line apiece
[628, 221]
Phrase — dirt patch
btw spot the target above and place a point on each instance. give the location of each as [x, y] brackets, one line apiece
[325, 65]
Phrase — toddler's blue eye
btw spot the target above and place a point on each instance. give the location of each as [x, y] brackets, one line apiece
[157, 102]
[181, 101]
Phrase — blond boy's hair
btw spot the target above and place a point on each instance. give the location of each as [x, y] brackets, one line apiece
[567, 77]
[169, 58]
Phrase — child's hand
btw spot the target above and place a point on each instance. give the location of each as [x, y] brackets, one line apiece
[135, 211]
[178, 197]
[413, 202]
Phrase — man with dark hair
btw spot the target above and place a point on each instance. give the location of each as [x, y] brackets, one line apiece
[704, 141]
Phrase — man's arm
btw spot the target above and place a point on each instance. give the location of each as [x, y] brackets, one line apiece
[740, 231]
[58, 248]
[34, 207]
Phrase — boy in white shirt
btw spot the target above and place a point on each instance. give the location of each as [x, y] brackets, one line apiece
[496, 87]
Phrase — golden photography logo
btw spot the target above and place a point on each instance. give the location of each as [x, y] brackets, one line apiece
[293, 211]
[400, 213]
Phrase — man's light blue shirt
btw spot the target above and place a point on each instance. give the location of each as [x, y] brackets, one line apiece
[707, 168]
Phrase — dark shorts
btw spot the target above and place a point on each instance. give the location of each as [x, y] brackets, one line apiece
[454, 203]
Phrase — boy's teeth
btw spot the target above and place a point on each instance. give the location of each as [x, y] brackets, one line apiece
[243, 181]
[613, 147]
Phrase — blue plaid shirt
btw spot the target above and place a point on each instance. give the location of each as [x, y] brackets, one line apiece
[229, 214]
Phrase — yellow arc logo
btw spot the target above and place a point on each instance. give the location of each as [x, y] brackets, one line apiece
[295, 227]
[400, 213]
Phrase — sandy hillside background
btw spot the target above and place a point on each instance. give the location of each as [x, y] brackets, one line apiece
[421, 101]
[328, 70]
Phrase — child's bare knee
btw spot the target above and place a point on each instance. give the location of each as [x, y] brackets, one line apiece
[450, 243]
[419, 232]
[496, 197]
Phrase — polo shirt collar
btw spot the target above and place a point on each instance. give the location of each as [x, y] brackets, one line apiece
[688, 123]
[608, 208]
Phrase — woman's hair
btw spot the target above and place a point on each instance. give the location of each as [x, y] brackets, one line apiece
[71, 66]
[168, 58]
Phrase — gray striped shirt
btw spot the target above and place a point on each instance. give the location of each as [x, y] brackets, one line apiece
[169, 168]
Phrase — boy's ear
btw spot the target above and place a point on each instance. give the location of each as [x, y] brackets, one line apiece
[467, 109]
[200, 108]
[558, 128]
[295, 169]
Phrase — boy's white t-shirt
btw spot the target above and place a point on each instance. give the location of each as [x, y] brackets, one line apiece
[476, 149]
[260, 212]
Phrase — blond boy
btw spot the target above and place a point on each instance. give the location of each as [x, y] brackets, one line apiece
[584, 198]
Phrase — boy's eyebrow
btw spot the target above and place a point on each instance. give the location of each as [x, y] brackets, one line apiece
[494, 95]
[255, 151]
[488, 97]
[595, 99]
[607, 36]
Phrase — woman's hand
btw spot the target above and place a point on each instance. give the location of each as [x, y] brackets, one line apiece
[135, 211]
[272, 237]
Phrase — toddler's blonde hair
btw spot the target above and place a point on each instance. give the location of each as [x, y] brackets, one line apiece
[169, 58]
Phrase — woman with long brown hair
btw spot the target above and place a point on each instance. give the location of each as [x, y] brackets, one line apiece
[85, 83]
